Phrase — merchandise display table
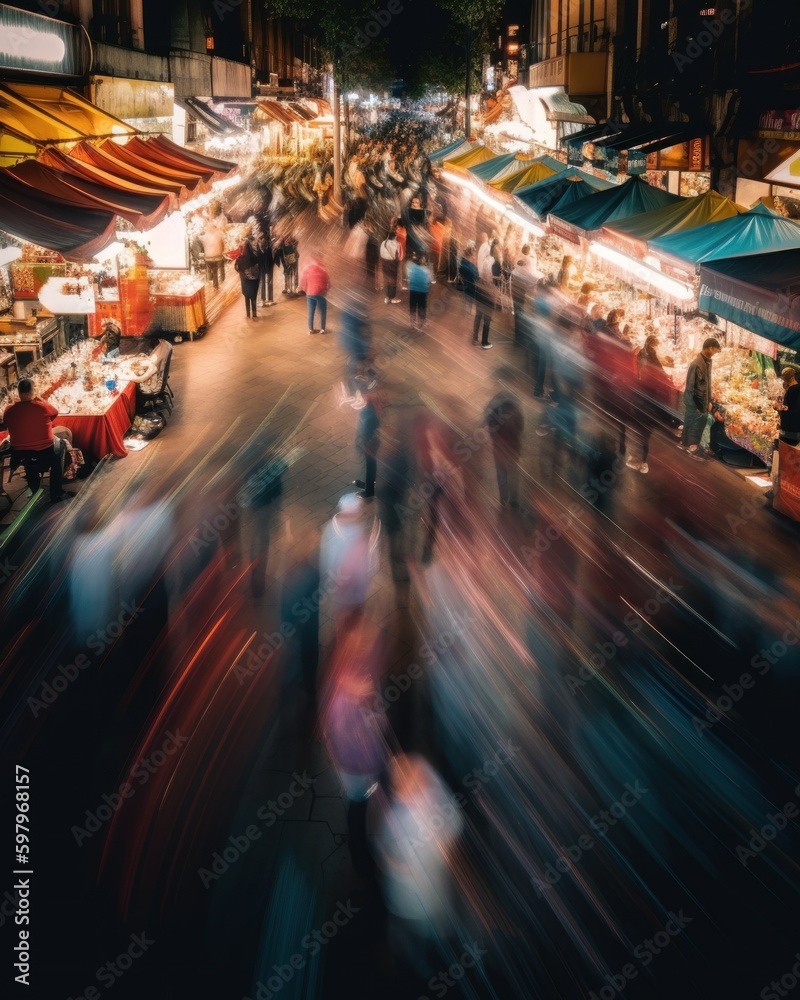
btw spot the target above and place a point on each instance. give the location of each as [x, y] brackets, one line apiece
[181, 313]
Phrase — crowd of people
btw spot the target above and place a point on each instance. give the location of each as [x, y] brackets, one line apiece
[556, 678]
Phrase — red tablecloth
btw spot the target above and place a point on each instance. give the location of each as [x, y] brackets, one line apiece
[103, 435]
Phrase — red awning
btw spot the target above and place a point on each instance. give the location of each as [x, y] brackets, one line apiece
[142, 211]
[76, 233]
[222, 166]
[127, 155]
[52, 157]
[92, 154]
[151, 151]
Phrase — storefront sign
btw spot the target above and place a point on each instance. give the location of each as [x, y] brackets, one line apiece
[637, 161]
[780, 121]
[575, 154]
[696, 154]
[37, 45]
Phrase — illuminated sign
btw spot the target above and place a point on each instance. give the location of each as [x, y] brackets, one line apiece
[34, 44]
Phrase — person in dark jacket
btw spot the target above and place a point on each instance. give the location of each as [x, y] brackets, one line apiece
[266, 260]
[697, 398]
[249, 273]
[505, 422]
[288, 257]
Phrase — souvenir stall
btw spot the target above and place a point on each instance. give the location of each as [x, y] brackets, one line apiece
[758, 298]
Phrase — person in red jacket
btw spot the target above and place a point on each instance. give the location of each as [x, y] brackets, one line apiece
[30, 429]
[315, 282]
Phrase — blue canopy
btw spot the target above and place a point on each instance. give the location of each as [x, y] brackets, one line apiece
[760, 293]
[459, 146]
[539, 198]
[590, 214]
[488, 170]
[755, 232]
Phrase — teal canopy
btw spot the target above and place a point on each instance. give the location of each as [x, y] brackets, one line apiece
[550, 161]
[540, 198]
[453, 149]
[488, 170]
[573, 192]
[755, 232]
[760, 293]
[631, 198]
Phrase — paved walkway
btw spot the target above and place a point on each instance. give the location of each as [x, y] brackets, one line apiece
[225, 385]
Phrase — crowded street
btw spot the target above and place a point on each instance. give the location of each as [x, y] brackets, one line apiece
[399, 592]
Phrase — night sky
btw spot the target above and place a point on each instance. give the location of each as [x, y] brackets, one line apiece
[422, 24]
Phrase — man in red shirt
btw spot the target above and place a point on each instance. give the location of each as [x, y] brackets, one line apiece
[315, 282]
[30, 428]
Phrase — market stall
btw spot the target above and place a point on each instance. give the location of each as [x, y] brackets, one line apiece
[95, 400]
[584, 220]
[631, 235]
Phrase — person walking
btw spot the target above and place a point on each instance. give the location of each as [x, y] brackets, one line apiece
[523, 283]
[468, 272]
[368, 439]
[697, 398]
[249, 274]
[288, 256]
[315, 282]
[419, 282]
[505, 422]
[266, 261]
[488, 271]
[391, 257]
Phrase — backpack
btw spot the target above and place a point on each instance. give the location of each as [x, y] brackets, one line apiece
[247, 264]
[386, 251]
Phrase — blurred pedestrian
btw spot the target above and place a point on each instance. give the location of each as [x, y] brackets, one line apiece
[506, 422]
[349, 558]
[288, 257]
[419, 277]
[368, 438]
[391, 257]
[315, 282]
[259, 498]
[249, 274]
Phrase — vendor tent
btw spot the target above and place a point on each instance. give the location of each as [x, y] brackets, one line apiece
[151, 152]
[33, 116]
[760, 293]
[631, 234]
[469, 158]
[754, 232]
[619, 202]
[489, 169]
[528, 175]
[438, 157]
[142, 211]
[112, 165]
[76, 233]
[541, 197]
[75, 167]
[131, 156]
[191, 156]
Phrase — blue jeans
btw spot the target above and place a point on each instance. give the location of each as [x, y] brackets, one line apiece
[314, 301]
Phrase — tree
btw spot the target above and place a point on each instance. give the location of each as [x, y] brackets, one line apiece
[345, 29]
[475, 17]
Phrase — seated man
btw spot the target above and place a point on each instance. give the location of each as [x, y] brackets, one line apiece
[150, 379]
[30, 427]
[110, 338]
